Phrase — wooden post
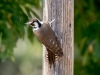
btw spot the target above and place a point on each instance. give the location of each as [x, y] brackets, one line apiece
[63, 13]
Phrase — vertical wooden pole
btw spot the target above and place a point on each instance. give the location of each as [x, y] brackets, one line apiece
[63, 13]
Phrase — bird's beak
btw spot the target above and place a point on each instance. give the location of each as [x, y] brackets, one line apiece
[28, 23]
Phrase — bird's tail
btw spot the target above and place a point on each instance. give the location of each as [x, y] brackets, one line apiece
[51, 58]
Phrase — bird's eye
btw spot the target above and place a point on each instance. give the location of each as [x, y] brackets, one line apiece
[32, 24]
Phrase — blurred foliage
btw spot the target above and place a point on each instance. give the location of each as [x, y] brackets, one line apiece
[13, 15]
[28, 59]
[87, 37]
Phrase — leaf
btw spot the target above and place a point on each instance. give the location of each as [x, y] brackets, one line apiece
[13, 15]
[96, 52]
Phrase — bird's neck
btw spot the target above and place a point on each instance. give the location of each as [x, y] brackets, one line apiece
[37, 25]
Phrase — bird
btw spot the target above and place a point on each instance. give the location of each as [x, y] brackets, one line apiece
[48, 38]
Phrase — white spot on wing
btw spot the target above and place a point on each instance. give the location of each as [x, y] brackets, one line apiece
[53, 42]
[50, 40]
[56, 56]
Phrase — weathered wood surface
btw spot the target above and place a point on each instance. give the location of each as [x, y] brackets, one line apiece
[63, 13]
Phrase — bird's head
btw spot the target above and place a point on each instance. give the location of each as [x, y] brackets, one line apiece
[34, 23]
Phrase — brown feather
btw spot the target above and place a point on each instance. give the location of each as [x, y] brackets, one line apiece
[51, 58]
[47, 36]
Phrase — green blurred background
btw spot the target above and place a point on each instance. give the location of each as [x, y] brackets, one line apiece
[21, 52]
[87, 37]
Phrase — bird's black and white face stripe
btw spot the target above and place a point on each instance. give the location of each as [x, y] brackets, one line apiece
[34, 23]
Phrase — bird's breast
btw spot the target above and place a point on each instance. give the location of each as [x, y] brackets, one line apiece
[47, 36]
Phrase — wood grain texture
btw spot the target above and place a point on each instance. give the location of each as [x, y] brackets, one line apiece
[63, 13]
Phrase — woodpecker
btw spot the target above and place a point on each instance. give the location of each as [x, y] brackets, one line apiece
[48, 38]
